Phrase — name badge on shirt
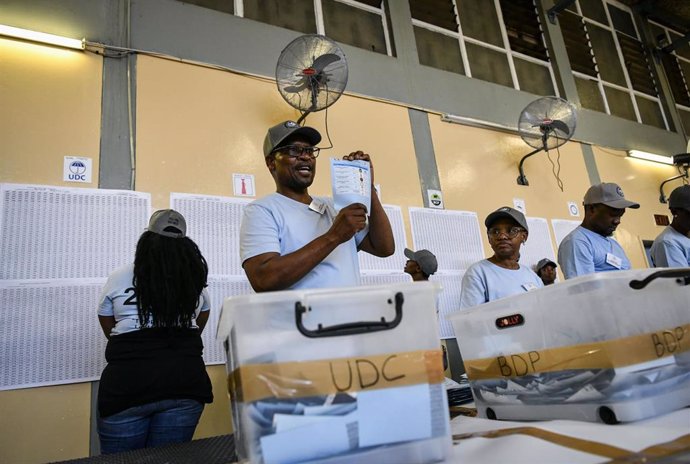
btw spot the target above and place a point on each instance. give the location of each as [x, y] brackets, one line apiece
[319, 207]
[529, 286]
[614, 260]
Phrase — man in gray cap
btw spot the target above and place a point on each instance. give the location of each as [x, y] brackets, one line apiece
[589, 248]
[290, 239]
[420, 264]
[672, 247]
[546, 270]
[500, 275]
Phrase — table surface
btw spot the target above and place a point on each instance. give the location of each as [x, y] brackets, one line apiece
[660, 440]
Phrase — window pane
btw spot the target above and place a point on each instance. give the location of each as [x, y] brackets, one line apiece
[682, 49]
[479, 20]
[575, 38]
[685, 118]
[489, 65]
[353, 26]
[438, 50]
[533, 78]
[226, 6]
[658, 33]
[637, 64]
[297, 15]
[620, 103]
[594, 9]
[622, 21]
[606, 55]
[441, 13]
[590, 95]
[523, 28]
[650, 112]
[675, 79]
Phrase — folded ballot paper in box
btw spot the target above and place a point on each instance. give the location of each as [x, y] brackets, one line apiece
[608, 347]
[337, 375]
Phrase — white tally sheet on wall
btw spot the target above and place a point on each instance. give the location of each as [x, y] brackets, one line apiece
[455, 238]
[213, 222]
[396, 262]
[49, 332]
[66, 233]
[562, 227]
[220, 288]
[538, 245]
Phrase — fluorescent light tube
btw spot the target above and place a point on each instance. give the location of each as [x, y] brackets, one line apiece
[650, 157]
[40, 37]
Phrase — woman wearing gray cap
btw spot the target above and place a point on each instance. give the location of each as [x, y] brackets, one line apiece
[153, 390]
[500, 275]
[672, 247]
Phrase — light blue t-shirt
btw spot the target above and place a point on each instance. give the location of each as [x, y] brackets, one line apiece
[118, 300]
[278, 224]
[671, 249]
[584, 252]
[484, 281]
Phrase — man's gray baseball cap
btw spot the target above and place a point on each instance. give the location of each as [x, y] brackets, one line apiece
[277, 134]
[426, 260]
[169, 223]
[509, 213]
[680, 198]
[609, 194]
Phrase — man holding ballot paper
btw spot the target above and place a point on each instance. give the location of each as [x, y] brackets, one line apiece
[290, 239]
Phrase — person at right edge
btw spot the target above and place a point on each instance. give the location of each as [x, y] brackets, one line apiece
[589, 248]
[672, 247]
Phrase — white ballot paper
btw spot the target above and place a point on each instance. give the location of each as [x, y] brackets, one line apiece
[351, 183]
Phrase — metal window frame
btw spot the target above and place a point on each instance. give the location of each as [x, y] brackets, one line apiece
[509, 52]
[318, 13]
[686, 79]
[602, 82]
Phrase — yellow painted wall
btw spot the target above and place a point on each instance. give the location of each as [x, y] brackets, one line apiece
[50, 107]
[640, 181]
[478, 169]
[196, 127]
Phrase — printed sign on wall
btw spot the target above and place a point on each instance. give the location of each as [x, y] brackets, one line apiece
[77, 169]
[435, 199]
[243, 185]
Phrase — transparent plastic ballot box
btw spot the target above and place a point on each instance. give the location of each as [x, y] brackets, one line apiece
[608, 347]
[337, 375]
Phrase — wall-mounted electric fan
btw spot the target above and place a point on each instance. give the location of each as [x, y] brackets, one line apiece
[311, 73]
[544, 124]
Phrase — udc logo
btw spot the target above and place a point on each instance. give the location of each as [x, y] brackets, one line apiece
[77, 171]
[77, 167]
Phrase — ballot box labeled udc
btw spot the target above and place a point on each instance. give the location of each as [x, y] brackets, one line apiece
[337, 375]
[609, 347]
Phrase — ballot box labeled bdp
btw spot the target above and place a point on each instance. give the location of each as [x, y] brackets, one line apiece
[337, 375]
[609, 347]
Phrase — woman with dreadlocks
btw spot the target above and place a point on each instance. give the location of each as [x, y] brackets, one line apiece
[153, 390]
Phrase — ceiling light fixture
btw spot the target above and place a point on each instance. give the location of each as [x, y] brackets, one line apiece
[41, 37]
[650, 157]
